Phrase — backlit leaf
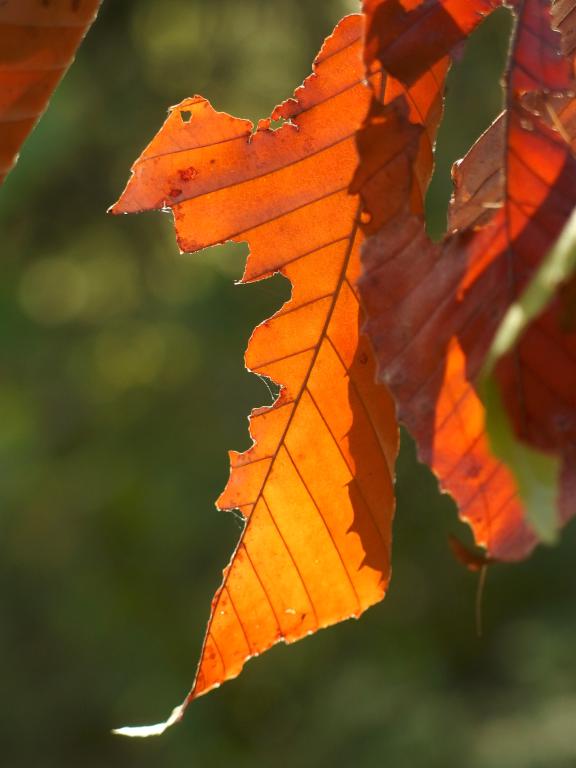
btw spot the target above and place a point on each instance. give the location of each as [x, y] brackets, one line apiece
[38, 41]
[514, 192]
[316, 487]
[408, 37]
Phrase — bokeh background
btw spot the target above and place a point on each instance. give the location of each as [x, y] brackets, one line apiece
[122, 387]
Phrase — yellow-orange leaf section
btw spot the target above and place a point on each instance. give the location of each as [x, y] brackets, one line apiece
[316, 487]
[38, 40]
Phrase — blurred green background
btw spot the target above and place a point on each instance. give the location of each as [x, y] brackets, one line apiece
[121, 389]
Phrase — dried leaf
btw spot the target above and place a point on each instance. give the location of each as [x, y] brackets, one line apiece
[564, 19]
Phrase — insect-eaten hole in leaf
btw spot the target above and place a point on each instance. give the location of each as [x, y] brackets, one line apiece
[270, 124]
[185, 115]
[474, 98]
[267, 296]
[272, 387]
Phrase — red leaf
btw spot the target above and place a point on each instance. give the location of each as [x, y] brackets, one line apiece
[409, 36]
[38, 41]
[514, 192]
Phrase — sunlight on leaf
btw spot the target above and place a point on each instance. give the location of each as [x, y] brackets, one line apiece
[316, 487]
[38, 41]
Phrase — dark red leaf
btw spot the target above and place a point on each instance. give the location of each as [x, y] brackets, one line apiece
[433, 327]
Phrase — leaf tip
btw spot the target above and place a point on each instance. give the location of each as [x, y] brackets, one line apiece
[144, 731]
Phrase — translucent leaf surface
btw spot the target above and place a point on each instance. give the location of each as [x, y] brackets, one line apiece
[316, 487]
[38, 41]
[514, 192]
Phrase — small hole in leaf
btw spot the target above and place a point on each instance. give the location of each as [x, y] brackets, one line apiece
[186, 115]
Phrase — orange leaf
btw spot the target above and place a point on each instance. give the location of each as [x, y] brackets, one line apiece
[316, 487]
[38, 41]
[514, 192]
